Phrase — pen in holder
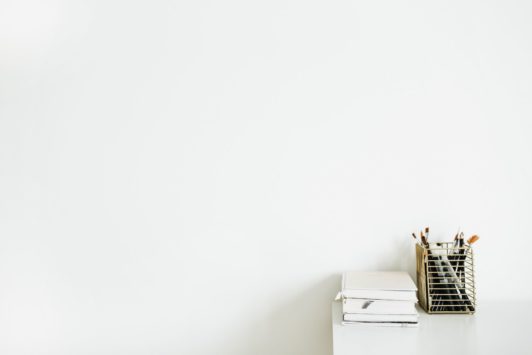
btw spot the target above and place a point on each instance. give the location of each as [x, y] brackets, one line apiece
[445, 276]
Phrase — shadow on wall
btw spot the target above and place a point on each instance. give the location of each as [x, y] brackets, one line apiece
[301, 325]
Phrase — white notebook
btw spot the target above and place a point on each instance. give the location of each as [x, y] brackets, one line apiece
[381, 324]
[406, 318]
[361, 306]
[383, 285]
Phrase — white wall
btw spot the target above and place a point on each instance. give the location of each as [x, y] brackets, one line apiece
[191, 177]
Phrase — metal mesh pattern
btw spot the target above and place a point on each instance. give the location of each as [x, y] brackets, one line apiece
[445, 274]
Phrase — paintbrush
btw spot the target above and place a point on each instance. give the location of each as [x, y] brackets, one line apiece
[463, 255]
[435, 262]
[415, 238]
[454, 260]
[424, 240]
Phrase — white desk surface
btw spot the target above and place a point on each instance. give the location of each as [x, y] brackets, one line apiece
[499, 328]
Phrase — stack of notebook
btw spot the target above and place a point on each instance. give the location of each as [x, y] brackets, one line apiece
[385, 298]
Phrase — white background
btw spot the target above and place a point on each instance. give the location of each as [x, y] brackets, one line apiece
[191, 177]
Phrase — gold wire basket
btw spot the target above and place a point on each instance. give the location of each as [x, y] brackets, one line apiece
[445, 276]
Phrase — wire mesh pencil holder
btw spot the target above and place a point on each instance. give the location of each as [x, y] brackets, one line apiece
[445, 277]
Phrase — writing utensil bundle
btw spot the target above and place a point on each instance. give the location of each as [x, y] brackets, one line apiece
[446, 274]
[384, 298]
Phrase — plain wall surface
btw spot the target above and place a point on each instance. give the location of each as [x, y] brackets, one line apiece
[191, 177]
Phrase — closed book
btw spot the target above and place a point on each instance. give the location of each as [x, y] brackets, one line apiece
[381, 285]
[381, 295]
[407, 318]
[351, 305]
[381, 324]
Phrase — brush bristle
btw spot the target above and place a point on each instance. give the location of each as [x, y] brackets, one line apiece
[427, 230]
[473, 239]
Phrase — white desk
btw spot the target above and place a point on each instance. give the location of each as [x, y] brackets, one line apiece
[499, 328]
